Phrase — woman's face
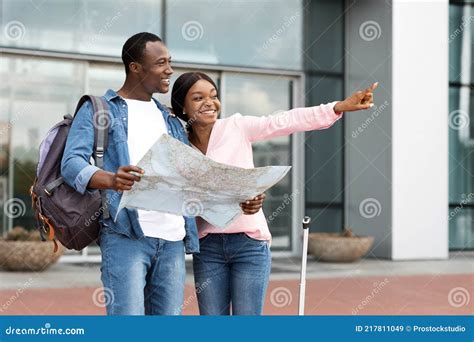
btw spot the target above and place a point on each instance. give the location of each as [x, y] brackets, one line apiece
[202, 104]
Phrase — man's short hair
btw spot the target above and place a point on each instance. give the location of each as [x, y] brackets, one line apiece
[134, 48]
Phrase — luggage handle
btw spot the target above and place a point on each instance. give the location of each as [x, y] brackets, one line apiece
[305, 223]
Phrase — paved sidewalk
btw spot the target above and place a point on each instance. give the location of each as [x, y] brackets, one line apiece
[369, 287]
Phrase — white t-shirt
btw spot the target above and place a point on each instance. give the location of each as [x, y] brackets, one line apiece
[145, 125]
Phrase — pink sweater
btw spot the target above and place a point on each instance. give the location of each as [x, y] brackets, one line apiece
[231, 143]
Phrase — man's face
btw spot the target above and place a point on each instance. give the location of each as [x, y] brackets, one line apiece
[155, 70]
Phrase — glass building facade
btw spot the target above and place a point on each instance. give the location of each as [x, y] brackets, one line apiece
[267, 56]
[57, 50]
[461, 125]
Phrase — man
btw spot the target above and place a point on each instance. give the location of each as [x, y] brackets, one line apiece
[143, 267]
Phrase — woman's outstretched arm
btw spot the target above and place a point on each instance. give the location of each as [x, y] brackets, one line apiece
[304, 119]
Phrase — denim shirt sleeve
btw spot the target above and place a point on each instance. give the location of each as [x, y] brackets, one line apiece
[75, 167]
[180, 132]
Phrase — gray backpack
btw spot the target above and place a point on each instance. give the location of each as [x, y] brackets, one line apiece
[61, 212]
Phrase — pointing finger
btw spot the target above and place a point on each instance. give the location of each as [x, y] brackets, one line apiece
[368, 98]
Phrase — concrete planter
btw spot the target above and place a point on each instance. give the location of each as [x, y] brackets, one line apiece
[28, 255]
[332, 247]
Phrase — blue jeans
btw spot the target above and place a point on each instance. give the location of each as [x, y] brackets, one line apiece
[144, 276]
[231, 272]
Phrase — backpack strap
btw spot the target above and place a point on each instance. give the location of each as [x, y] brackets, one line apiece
[101, 120]
[53, 185]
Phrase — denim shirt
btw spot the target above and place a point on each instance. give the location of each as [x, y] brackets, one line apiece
[77, 171]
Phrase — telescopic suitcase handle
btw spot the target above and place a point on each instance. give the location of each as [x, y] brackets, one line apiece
[304, 257]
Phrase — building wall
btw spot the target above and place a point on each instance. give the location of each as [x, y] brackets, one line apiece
[368, 134]
[398, 155]
[420, 153]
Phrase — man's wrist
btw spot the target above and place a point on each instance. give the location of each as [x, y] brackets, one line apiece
[110, 180]
[102, 180]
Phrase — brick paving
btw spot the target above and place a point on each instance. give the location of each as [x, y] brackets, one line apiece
[451, 294]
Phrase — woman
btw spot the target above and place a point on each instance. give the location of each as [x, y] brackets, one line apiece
[232, 270]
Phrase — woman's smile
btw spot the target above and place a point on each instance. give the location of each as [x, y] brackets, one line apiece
[207, 111]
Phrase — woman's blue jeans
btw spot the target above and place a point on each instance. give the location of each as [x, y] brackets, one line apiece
[231, 274]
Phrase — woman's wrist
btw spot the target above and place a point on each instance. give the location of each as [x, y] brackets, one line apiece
[338, 108]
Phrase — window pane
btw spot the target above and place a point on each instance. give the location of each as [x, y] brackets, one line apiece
[324, 38]
[236, 32]
[35, 95]
[324, 152]
[328, 220]
[461, 147]
[102, 77]
[85, 26]
[264, 95]
[461, 33]
[461, 228]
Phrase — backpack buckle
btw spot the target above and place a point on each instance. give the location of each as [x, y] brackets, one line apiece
[99, 152]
